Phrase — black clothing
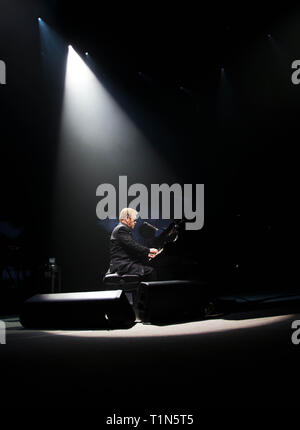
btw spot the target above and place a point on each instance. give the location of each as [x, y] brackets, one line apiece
[126, 254]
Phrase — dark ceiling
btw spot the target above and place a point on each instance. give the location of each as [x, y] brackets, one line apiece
[166, 41]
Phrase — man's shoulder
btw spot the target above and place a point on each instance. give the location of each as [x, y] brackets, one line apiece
[120, 228]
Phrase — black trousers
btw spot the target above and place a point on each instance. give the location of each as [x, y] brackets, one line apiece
[147, 273]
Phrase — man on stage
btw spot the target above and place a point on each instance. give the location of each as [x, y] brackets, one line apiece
[127, 256]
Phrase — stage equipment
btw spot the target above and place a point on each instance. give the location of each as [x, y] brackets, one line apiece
[172, 301]
[52, 276]
[79, 310]
[127, 283]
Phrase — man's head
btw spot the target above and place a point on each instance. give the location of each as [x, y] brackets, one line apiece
[128, 217]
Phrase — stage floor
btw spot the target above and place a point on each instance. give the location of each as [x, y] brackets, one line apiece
[244, 359]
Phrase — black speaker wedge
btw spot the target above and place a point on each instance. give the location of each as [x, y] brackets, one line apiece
[78, 310]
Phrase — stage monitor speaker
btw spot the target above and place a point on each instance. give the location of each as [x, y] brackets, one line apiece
[171, 301]
[80, 310]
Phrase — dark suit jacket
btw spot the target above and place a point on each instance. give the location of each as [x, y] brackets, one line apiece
[125, 251]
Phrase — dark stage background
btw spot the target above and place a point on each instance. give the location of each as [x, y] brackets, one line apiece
[209, 98]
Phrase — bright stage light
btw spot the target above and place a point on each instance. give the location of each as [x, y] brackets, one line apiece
[53, 49]
[77, 74]
[90, 115]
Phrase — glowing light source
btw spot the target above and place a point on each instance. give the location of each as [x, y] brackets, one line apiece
[90, 115]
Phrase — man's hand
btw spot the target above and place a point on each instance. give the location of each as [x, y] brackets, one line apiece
[153, 252]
